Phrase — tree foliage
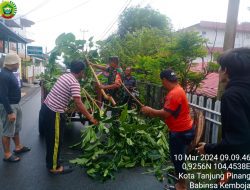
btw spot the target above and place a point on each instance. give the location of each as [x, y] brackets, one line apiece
[107, 148]
[150, 50]
[185, 48]
[144, 42]
[136, 18]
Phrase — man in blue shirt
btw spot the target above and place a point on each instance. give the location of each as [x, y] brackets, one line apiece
[10, 110]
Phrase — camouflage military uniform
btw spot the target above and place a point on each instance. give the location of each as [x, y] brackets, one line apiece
[119, 93]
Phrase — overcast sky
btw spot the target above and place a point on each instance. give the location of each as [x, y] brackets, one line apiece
[98, 18]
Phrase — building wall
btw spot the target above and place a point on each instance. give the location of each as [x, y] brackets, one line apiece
[212, 37]
[21, 47]
[242, 39]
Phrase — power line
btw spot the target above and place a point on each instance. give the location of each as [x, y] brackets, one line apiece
[64, 12]
[114, 20]
[34, 9]
[106, 31]
[121, 11]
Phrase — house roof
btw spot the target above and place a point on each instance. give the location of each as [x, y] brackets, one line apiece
[7, 34]
[29, 40]
[215, 49]
[242, 27]
[25, 22]
[209, 86]
[12, 23]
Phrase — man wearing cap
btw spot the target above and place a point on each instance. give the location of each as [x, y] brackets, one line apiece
[10, 110]
[175, 114]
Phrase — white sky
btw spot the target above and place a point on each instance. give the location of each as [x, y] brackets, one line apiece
[53, 17]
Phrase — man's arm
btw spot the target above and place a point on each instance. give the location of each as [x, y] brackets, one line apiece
[109, 87]
[98, 66]
[80, 106]
[5, 100]
[116, 84]
[4, 95]
[155, 113]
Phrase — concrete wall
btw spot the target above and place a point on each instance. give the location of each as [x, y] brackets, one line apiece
[242, 38]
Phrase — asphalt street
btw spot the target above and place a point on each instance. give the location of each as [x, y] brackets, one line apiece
[30, 173]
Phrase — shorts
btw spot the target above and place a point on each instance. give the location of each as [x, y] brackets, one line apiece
[10, 128]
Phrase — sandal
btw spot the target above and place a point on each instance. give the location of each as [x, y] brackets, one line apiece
[12, 158]
[66, 170]
[22, 150]
[169, 187]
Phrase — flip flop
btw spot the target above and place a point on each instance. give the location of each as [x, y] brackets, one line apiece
[169, 187]
[22, 150]
[66, 170]
[12, 158]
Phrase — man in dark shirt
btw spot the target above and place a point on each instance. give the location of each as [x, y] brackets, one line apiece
[130, 83]
[129, 80]
[235, 106]
[10, 110]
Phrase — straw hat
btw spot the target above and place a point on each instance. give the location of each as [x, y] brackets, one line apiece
[11, 59]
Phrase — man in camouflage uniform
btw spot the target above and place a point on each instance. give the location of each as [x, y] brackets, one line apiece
[115, 78]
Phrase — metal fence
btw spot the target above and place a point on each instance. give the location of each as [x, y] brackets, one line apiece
[153, 95]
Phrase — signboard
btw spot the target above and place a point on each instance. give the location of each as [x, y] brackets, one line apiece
[35, 50]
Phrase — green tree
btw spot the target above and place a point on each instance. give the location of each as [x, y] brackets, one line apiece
[186, 47]
[144, 42]
[150, 51]
[69, 47]
[136, 18]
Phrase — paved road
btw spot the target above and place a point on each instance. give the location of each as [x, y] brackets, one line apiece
[30, 173]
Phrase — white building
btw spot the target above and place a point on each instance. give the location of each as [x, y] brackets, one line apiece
[214, 32]
[15, 37]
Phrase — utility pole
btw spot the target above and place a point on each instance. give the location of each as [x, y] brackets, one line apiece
[83, 37]
[230, 33]
[231, 25]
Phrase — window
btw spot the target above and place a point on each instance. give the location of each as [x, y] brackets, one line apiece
[203, 33]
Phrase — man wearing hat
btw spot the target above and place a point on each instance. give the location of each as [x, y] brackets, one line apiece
[10, 110]
[175, 114]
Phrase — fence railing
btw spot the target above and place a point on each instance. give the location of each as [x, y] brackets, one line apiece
[153, 95]
[212, 115]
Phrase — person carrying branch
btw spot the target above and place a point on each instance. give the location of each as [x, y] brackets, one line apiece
[52, 112]
[176, 115]
[115, 78]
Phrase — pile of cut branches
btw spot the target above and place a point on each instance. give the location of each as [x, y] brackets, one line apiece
[125, 142]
